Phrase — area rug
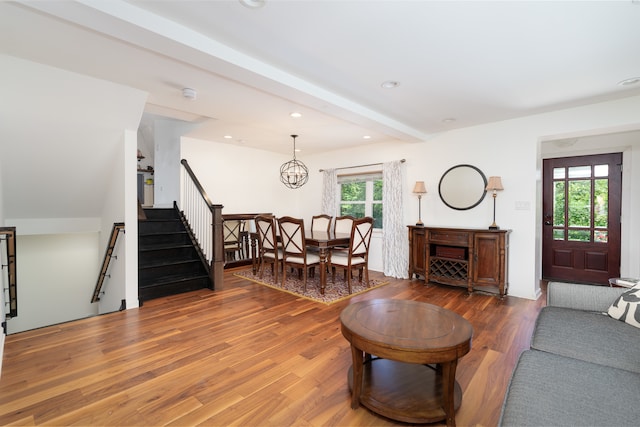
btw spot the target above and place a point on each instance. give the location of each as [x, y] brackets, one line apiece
[333, 292]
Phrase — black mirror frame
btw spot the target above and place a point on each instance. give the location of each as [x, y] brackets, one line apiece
[484, 191]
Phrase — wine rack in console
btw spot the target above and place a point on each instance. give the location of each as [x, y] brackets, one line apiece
[460, 256]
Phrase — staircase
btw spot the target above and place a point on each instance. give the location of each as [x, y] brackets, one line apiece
[168, 262]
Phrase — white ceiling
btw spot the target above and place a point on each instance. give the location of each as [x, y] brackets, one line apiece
[474, 61]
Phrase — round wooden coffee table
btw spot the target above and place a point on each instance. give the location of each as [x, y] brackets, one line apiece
[413, 377]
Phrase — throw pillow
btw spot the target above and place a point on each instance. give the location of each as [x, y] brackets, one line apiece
[627, 307]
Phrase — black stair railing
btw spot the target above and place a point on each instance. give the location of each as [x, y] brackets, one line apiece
[108, 255]
[205, 220]
[8, 261]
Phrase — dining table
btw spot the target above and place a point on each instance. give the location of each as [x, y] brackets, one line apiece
[323, 241]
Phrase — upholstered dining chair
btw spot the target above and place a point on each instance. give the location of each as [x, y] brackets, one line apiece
[268, 250]
[321, 223]
[342, 224]
[232, 243]
[294, 248]
[357, 256]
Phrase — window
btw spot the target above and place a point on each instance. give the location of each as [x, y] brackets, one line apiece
[361, 195]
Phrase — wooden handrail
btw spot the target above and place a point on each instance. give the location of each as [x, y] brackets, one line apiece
[196, 182]
[216, 236]
[9, 236]
[115, 232]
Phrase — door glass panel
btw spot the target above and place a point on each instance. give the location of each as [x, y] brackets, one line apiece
[579, 235]
[579, 205]
[601, 203]
[558, 203]
[558, 234]
[601, 170]
[558, 173]
[580, 172]
[600, 236]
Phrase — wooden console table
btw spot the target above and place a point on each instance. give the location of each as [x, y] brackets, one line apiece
[460, 256]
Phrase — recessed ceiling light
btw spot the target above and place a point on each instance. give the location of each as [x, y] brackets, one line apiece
[228, 137]
[628, 82]
[296, 115]
[253, 4]
[448, 120]
[366, 137]
[390, 84]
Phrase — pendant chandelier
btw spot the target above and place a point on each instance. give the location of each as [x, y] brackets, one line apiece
[294, 174]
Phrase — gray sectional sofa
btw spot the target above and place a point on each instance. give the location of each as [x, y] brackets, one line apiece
[583, 367]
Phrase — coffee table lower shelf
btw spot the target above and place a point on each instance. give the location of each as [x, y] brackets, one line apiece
[405, 392]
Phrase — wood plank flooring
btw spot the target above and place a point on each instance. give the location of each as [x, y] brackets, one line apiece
[246, 355]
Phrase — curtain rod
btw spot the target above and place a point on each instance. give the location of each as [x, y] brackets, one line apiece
[360, 166]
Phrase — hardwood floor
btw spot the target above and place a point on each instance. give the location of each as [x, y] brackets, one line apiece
[246, 355]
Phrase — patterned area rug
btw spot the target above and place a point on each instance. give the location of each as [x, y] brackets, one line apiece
[333, 292]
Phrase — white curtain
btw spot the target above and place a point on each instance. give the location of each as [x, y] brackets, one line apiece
[395, 243]
[330, 192]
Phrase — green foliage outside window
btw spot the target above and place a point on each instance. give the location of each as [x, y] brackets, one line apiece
[354, 202]
[579, 206]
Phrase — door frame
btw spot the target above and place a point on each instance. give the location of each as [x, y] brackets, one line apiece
[626, 141]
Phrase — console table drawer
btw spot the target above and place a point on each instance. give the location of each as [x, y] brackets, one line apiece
[449, 237]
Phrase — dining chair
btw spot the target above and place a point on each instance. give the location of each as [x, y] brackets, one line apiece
[268, 250]
[321, 223]
[232, 242]
[357, 256]
[342, 224]
[294, 248]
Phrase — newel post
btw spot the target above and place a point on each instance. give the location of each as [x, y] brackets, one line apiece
[217, 262]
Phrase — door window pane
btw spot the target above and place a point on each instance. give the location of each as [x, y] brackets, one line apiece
[579, 235]
[601, 203]
[579, 203]
[601, 170]
[601, 236]
[558, 234]
[580, 172]
[558, 173]
[558, 203]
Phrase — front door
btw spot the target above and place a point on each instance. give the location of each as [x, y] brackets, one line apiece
[581, 218]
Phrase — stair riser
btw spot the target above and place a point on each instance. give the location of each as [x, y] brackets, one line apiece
[149, 258]
[161, 214]
[154, 240]
[185, 269]
[159, 226]
[147, 293]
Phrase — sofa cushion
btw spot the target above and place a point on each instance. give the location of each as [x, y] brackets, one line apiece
[551, 390]
[627, 307]
[589, 336]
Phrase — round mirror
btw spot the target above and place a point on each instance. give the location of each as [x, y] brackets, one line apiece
[462, 187]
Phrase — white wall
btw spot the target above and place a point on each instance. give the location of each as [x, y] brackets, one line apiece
[167, 134]
[52, 290]
[117, 285]
[247, 180]
[243, 180]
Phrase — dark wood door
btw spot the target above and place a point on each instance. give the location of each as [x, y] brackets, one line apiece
[581, 218]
